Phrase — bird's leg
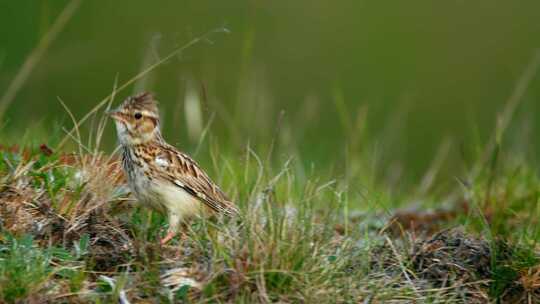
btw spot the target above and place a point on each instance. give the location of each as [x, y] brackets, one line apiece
[174, 223]
[170, 235]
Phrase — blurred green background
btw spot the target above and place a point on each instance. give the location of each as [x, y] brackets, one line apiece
[412, 73]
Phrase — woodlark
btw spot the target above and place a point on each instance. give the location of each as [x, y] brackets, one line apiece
[160, 176]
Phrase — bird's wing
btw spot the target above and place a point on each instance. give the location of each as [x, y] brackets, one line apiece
[182, 171]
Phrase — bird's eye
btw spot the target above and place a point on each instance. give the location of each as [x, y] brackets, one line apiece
[138, 115]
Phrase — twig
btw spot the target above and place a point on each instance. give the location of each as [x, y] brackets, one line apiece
[276, 134]
[510, 108]
[75, 139]
[103, 121]
[404, 270]
[77, 132]
[138, 76]
[36, 55]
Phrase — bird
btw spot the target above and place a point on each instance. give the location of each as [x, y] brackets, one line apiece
[160, 176]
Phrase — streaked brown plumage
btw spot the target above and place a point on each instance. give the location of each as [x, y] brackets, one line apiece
[159, 175]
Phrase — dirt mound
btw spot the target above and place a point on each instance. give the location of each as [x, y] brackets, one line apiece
[59, 199]
[452, 256]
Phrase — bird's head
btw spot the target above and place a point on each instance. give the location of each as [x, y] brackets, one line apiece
[137, 120]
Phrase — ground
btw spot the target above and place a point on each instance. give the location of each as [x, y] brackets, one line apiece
[70, 232]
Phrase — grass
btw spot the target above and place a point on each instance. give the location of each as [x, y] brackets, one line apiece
[70, 232]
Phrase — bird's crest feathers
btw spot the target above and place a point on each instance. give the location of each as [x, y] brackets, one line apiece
[141, 102]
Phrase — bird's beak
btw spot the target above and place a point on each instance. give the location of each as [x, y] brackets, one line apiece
[114, 114]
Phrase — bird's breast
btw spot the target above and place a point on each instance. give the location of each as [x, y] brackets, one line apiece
[142, 185]
[176, 200]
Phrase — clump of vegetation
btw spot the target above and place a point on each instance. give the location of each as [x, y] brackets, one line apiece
[24, 268]
[85, 241]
